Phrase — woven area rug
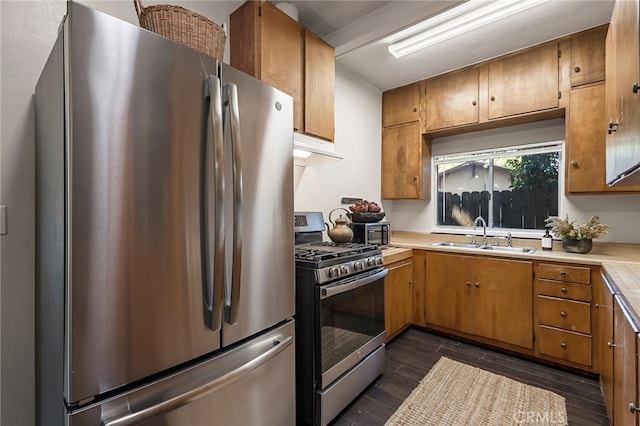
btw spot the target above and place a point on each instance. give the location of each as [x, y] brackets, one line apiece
[453, 393]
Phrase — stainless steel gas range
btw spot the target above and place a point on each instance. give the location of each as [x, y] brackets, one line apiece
[340, 320]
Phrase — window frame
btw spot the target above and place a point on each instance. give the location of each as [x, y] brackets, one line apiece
[493, 153]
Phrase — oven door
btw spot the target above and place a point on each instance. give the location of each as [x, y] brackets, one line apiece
[351, 320]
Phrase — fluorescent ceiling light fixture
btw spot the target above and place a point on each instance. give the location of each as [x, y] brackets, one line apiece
[456, 21]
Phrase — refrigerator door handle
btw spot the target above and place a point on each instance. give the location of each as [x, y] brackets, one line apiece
[279, 344]
[230, 99]
[213, 215]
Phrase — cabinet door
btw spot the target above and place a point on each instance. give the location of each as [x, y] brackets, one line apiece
[623, 94]
[503, 300]
[588, 56]
[397, 297]
[418, 301]
[449, 290]
[452, 100]
[319, 83]
[603, 340]
[281, 52]
[401, 105]
[624, 367]
[525, 82]
[586, 143]
[404, 167]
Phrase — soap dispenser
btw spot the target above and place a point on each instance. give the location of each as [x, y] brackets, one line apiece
[547, 241]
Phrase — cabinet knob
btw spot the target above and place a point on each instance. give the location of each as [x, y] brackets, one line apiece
[474, 103]
[415, 110]
[563, 273]
[563, 289]
[633, 408]
[477, 284]
[611, 345]
[468, 284]
[635, 88]
[415, 178]
[563, 314]
[574, 163]
[563, 345]
[493, 98]
[576, 69]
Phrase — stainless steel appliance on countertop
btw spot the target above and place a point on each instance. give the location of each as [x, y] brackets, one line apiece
[340, 320]
[162, 297]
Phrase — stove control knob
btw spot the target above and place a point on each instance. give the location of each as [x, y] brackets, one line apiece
[358, 266]
[344, 270]
[334, 272]
[371, 261]
[379, 261]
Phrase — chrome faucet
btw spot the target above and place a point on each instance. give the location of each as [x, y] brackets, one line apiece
[484, 228]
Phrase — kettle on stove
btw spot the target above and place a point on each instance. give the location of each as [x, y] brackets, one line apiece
[341, 232]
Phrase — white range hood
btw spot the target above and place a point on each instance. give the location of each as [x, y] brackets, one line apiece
[310, 151]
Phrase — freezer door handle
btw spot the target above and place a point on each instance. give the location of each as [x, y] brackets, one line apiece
[213, 205]
[279, 344]
[230, 99]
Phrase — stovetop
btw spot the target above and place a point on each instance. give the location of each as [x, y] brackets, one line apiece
[324, 251]
[330, 261]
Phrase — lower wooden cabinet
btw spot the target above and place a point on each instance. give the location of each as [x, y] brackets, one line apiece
[397, 297]
[625, 370]
[419, 307]
[480, 296]
[603, 339]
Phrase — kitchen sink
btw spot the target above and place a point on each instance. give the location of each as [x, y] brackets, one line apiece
[509, 249]
[485, 247]
[459, 245]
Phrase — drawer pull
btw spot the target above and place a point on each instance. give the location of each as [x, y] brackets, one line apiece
[563, 289]
[563, 345]
[477, 284]
[468, 284]
[633, 408]
[563, 314]
[611, 345]
[563, 273]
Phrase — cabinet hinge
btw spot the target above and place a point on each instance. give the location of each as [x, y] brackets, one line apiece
[559, 94]
[259, 10]
[559, 53]
[533, 273]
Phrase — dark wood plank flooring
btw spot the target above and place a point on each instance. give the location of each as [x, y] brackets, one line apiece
[412, 354]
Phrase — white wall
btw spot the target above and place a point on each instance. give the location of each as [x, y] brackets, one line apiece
[28, 30]
[357, 136]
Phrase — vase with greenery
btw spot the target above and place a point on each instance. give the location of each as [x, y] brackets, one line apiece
[576, 238]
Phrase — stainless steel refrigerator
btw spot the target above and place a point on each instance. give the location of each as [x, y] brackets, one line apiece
[165, 274]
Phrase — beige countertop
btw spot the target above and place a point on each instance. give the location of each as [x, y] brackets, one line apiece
[620, 262]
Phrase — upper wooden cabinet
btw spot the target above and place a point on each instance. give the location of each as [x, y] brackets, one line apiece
[401, 105]
[405, 162]
[452, 99]
[623, 94]
[585, 143]
[269, 45]
[524, 82]
[319, 83]
[588, 56]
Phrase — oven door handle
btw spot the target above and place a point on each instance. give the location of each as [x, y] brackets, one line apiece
[332, 290]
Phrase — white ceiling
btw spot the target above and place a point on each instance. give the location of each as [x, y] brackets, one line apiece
[356, 30]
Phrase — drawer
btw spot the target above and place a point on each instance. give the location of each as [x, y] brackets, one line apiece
[565, 290]
[567, 314]
[575, 274]
[567, 345]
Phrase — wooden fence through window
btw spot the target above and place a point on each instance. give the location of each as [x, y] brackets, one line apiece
[517, 209]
